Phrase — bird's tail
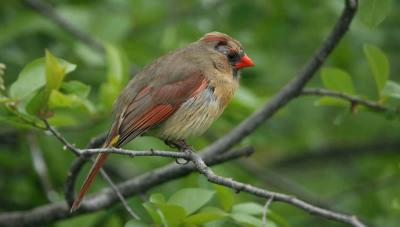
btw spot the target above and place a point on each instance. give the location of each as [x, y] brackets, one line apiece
[98, 163]
[101, 158]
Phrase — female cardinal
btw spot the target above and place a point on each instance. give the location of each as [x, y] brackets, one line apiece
[178, 95]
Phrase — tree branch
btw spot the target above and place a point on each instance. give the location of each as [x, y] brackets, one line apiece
[354, 100]
[238, 186]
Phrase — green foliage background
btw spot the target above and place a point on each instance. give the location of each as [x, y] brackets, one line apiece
[279, 35]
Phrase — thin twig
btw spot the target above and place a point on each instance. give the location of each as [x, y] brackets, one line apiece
[354, 100]
[120, 196]
[46, 10]
[265, 210]
[58, 135]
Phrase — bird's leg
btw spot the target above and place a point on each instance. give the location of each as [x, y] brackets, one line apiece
[170, 143]
[181, 145]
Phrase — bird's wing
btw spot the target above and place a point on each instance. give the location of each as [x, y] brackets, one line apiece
[152, 105]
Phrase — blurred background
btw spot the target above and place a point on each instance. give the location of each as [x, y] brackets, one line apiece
[322, 153]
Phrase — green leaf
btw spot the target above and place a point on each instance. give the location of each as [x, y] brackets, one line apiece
[62, 119]
[379, 64]
[49, 72]
[55, 72]
[225, 197]
[205, 215]
[76, 87]
[391, 89]
[60, 100]
[248, 208]
[136, 223]
[157, 198]
[152, 212]
[172, 215]
[246, 219]
[337, 79]
[37, 106]
[30, 79]
[373, 12]
[191, 199]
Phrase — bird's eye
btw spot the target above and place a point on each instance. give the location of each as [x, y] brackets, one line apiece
[233, 57]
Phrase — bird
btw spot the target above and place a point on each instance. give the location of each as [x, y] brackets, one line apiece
[177, 96]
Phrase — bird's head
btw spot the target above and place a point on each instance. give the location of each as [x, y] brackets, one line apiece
[229, 47]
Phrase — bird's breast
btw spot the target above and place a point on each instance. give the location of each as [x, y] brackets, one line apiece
[193, 117]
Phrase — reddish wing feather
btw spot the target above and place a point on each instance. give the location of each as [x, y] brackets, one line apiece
[150, 119]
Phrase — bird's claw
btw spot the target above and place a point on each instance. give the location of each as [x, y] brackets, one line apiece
[179, 144]
[181, 161]
[182, 146]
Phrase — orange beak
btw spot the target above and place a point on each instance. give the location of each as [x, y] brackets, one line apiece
[244, 62]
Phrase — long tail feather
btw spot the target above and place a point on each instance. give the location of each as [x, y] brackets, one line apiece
[101, 158]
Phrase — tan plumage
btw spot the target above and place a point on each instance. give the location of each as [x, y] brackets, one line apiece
[177, 96]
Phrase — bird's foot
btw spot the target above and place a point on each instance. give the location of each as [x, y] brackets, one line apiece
[169, 143]
[182, 146]
[179, 144]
